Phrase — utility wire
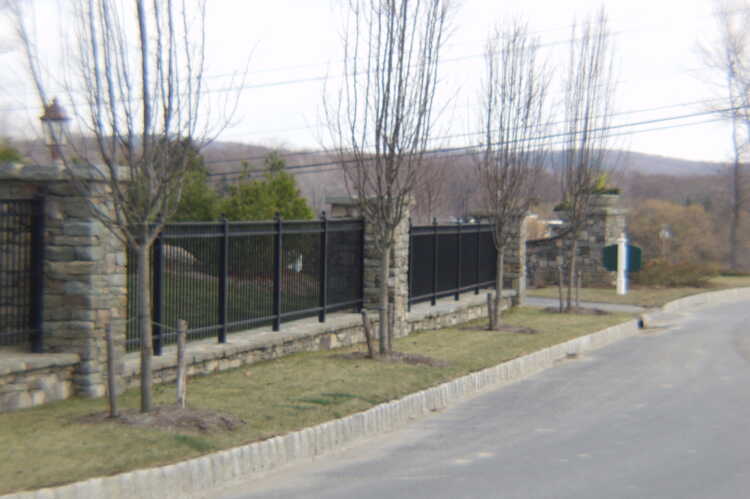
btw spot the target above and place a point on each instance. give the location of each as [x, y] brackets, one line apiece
[473, 148]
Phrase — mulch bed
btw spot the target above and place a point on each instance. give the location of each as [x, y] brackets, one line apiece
[172, 417]
[578, 310]
[404, 358]
[504, 328]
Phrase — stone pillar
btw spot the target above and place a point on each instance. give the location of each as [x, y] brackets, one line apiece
[398, 282]
[85, 283]
[515, 261]
[606, 223]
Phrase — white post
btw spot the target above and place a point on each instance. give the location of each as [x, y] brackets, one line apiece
[622, 265]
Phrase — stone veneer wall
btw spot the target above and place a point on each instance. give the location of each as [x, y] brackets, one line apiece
[398, 280]
[85, 286]
[515, 261]
[207, 356]
[29, 380]
[606, 222]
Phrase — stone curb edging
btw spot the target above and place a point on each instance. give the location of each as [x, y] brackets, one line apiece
[213, 470]
[177, 480]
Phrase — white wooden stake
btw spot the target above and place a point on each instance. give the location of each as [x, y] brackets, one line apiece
[181, 363]
[622, 265]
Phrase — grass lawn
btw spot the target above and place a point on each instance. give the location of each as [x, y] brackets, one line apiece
[48, 446]
[646, 296]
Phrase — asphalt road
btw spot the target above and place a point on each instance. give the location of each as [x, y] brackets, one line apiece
[662, 415]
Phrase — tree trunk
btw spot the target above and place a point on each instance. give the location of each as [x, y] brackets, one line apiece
[734, 223]
[499, 276]
[144, 323]
[571, 272]
[367, 325]
[111, 382]
[385, 264]
[560, 284]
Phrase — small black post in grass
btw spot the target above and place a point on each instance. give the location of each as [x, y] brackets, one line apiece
[433, 300]
[158, 289]
[458, 260]
[37, 274]
[277, 253]
[223, 279]
[476, 262]
[323, 266]
[409, 271]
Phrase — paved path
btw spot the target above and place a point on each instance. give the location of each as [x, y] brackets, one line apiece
[661, 415]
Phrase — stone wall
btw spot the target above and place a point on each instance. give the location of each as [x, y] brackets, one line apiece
[307, 335]
[606, 221]
[515, 261]
[85, 268]
[398, 279]
[29, 380]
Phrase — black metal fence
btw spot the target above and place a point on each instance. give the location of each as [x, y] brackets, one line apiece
[450, 259]
[21, 272]
[230, 276]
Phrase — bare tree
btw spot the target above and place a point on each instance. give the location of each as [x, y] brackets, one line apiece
[515, 116]
[588, 96]
[731, 59]
[141, 69]
[382, 117]
[430, 188]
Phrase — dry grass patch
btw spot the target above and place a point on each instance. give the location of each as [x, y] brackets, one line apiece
[50, 445]
[645, 296]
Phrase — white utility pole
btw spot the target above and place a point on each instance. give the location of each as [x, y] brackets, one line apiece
[622, 265]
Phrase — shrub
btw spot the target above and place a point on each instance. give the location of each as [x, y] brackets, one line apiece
[674, 275]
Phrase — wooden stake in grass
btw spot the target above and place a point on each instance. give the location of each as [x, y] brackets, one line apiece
[181, 364]
[560, 278]
[111, 382]
[391, 324]
[491, 311]
[367, 326]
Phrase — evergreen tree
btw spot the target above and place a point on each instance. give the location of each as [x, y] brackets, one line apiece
[261, 199]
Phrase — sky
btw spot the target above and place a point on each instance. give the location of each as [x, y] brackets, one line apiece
[291, 52]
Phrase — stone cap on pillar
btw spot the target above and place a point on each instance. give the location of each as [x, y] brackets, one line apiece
[56, 172]
[343, 207]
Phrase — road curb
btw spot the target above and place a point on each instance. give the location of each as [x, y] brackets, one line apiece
[214, 470]
[653, 318]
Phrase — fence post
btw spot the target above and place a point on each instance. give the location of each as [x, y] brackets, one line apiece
[458, 261]
[223, 280]
[277, 259]
[476, 261]
[37, 275]
[433, 300]
[323, 267]
[157, 286]
[409, 273]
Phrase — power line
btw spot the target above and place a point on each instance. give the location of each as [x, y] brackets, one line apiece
[529, 139]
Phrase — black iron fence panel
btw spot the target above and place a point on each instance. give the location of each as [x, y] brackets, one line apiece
[21, 272]
[231, 276]
[449, 259]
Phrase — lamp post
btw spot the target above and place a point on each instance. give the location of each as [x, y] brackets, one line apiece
[54, 121]
[665, 234]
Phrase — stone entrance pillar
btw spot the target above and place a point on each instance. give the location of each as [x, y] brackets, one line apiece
[85, 283]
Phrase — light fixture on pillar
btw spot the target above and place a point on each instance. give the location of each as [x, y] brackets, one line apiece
[54, 121]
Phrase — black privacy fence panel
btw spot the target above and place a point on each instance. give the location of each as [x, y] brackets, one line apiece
[21, 272]
[450, 259]
[231, 276]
